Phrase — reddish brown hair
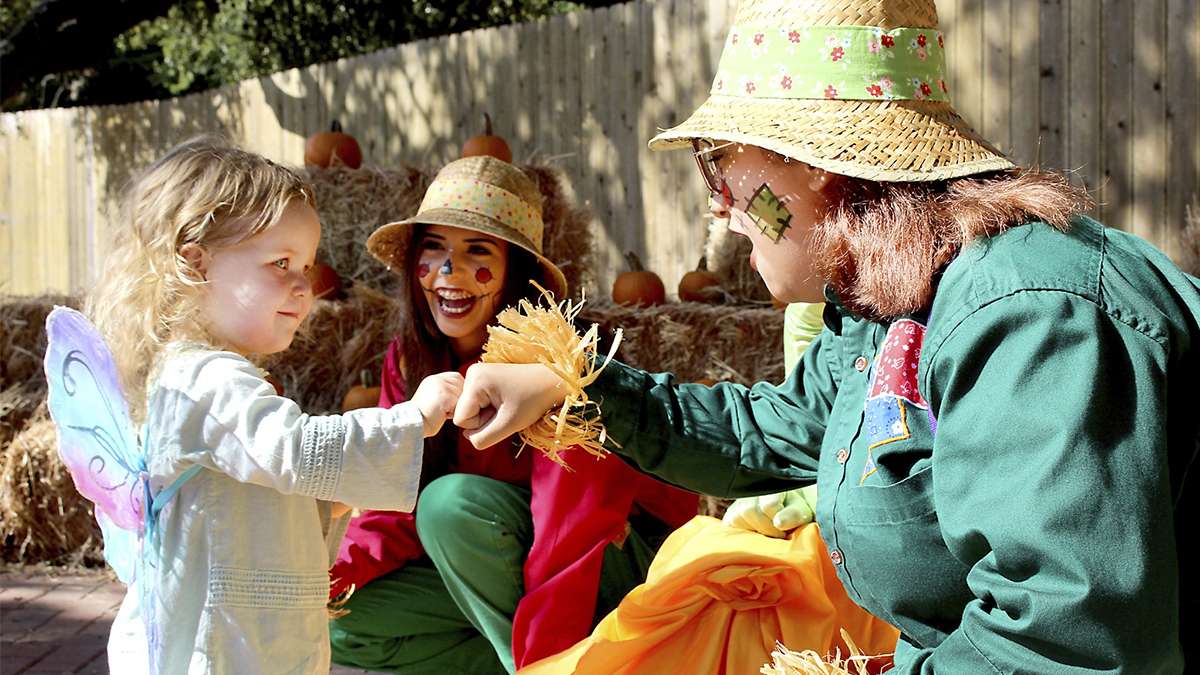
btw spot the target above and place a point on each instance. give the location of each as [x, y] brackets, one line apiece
[882, 244]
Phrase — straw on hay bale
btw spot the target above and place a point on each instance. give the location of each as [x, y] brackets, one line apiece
[694, 340]
[42, 517]
[22, 348]
[353, 202]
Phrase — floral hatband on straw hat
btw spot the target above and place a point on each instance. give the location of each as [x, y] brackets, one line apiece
[483, 194]
[854, 87]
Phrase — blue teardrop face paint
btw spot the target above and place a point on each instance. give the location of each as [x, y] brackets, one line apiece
[768, 213]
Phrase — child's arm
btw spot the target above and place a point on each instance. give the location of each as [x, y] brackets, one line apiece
[229, 419]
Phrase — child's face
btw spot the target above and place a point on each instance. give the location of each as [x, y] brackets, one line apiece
[258, 291]
[774, 203]
[461, 274]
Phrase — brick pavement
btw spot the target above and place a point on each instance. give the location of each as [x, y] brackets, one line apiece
[53, 622]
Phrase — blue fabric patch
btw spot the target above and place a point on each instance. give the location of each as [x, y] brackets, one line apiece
[886, 421]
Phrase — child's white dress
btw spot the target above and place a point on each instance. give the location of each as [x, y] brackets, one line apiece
[238, 580]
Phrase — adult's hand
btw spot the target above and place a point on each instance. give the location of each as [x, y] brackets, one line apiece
[501, 399]
[774, 515]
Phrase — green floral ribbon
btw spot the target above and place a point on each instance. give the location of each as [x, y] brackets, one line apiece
[833, 62]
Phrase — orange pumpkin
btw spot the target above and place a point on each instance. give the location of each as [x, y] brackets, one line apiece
[700, 285]
[364, 395]
[487, 144]
[322, 147]
[638, 286]
[325, 280]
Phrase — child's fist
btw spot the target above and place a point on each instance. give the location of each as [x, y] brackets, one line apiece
[436, 397]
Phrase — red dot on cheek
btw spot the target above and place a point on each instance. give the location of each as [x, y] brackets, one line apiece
[423, 270]
[483, 275]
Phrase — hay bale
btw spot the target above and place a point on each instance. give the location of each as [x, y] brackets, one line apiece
[22, 349]
[42, 517]
[694, 340]
[353, 202]
[568, 237]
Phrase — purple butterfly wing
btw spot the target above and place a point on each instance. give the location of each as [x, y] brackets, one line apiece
[95, 433]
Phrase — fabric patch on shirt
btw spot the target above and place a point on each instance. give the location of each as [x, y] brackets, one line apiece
[896, 367]
[893, 385]
[869, 467]
[886, 421]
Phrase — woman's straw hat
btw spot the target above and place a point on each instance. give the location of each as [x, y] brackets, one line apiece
[477, 193]
[855, 87]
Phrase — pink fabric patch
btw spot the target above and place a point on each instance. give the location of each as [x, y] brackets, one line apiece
[896, 369]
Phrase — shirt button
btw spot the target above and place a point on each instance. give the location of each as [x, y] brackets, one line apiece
[842, 456]
[860, 364]
[836, 556]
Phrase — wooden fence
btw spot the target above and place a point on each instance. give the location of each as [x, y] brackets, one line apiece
[1105, 88]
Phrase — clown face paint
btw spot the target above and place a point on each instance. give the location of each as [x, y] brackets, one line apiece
[774, 203]
[461, 273]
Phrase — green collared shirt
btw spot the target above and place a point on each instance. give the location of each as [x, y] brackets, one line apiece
[1001, 478]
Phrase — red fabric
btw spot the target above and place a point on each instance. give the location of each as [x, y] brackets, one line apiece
[576, 514]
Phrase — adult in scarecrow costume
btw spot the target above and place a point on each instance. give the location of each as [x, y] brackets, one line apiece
[999, 413]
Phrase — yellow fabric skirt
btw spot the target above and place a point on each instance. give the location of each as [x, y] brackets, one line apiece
[717, 600]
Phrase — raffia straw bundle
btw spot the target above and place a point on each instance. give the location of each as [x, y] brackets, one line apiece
[546, 335]
[786, 662]
[42, 517]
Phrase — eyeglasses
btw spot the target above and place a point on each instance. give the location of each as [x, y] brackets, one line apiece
[702, 150]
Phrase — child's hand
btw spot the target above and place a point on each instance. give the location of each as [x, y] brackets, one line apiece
[435, 398]
[500, 399]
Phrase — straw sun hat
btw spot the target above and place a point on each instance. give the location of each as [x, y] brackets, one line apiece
[477, 193]
[855, 87]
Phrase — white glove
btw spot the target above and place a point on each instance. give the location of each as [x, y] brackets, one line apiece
[773, 515]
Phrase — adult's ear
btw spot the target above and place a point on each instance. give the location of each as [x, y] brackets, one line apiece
[197, 258]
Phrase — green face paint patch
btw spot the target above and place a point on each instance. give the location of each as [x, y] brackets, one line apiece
[768, 213]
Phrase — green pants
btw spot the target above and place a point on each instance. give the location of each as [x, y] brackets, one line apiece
[453, 613]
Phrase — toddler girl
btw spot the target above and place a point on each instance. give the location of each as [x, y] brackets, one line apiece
[209, 269]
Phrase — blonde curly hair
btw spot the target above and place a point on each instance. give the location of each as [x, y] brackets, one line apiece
[205, 191]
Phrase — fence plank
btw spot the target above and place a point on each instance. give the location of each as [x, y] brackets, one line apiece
[996, 95]
[1054, 70]
[1182, 113]
[1117, 111]
[1084, 85]
[8, 204]
[1149, 121]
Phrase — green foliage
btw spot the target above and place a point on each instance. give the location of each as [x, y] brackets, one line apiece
[13, 14]
[200, 44]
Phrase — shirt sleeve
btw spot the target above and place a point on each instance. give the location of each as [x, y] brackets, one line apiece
[1051, 484]
[226, 417]
[726, 440]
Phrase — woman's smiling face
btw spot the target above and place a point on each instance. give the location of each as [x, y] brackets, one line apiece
[461, 273]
